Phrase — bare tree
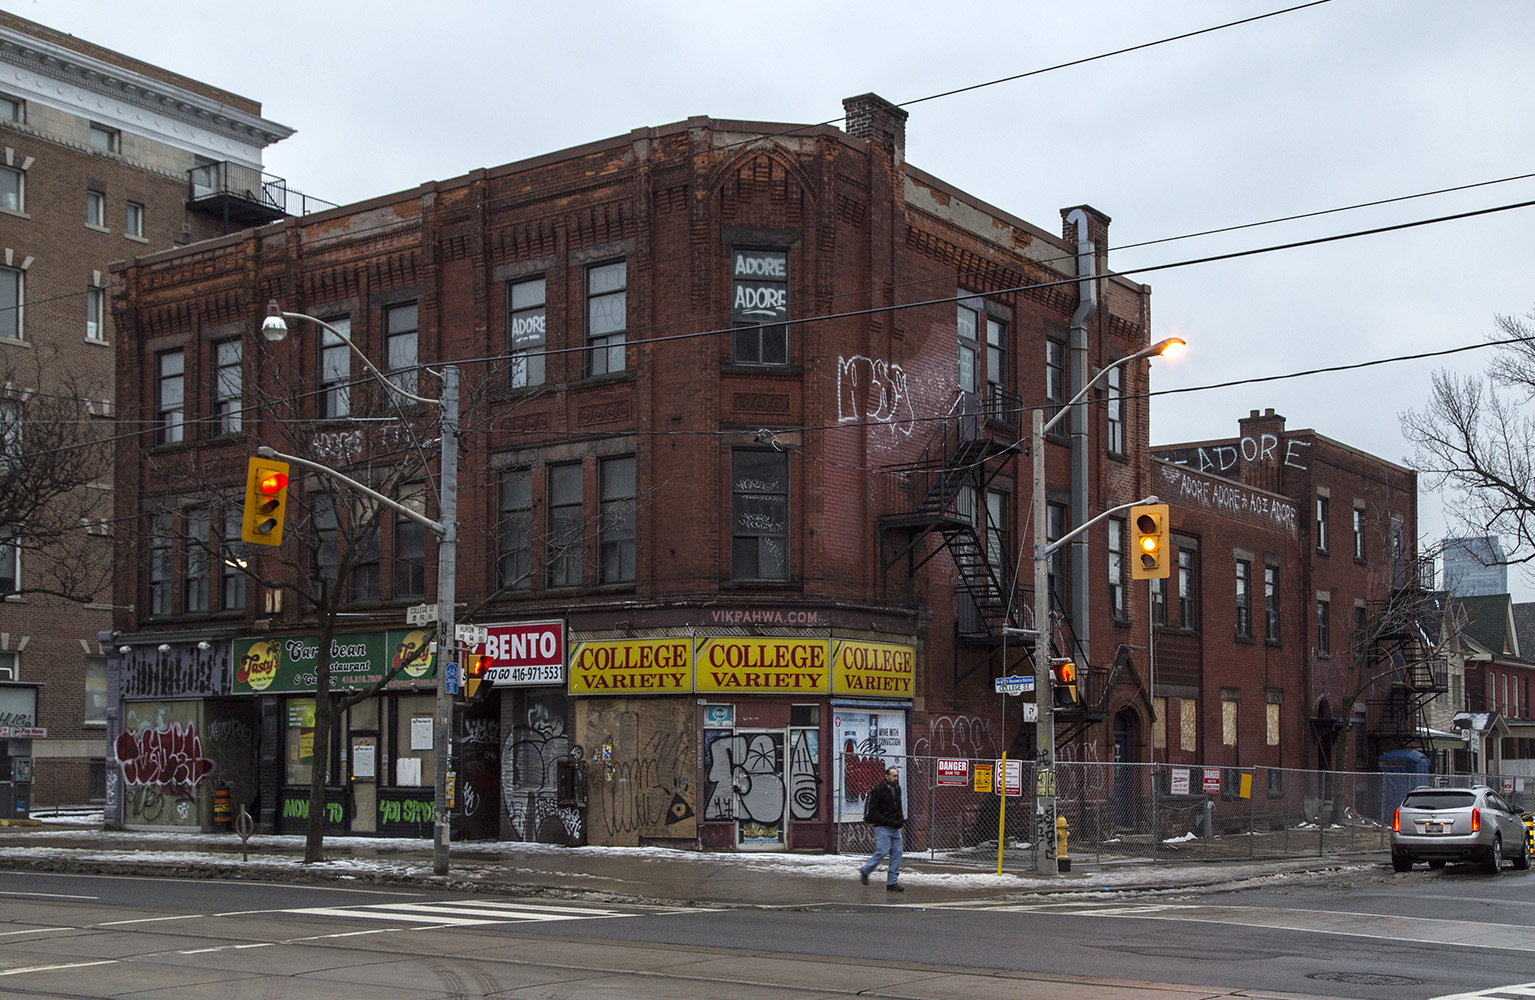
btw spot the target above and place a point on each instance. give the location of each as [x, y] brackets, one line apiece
[1475, 440]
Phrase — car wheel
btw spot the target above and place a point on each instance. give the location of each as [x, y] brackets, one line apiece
[1400, 863]
[1436, 864]
[1493, 862]
[1522, 859]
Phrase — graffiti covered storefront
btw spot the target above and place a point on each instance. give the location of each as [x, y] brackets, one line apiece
[723, 741]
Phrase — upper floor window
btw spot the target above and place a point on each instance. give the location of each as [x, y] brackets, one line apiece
[410, 546]
[1188, 594]
[228, 382]
[335, 371]
[400, 345]
[12, 109]
[10, 433]
[996, 355]
[13, 190]
[514, 530]
[95, 209]
[1359, 533]
[1114, 406]
[759, 515]
[10, 561]
[967, 330]
[525, 334]
[1055, 376]
[1158, 600]
[607, 317]
[364, 585]
[107, 140]
[11, 303]
[1117, 568]
[1321, 524]
[1271, 603]
[159, 565]
[170, 396]
[565, 526]
[95, 314]
[615, 530]
[1055, 527]
[759, 306]
[996, 529]
[232, 566]
[194, 581]
[133, 224]
[1244, 599]
[1323, 631]
[96, 695]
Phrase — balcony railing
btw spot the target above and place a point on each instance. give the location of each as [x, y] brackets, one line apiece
[244, 196]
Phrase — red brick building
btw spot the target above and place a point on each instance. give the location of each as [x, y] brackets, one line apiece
[749, 401]
[1329, 533]
[102, 157]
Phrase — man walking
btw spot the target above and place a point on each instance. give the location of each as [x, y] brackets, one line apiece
[884, 811]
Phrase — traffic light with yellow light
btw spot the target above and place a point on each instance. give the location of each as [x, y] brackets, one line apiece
[476, 684]
[1148, 542]
[266, 498]
[1063, 684]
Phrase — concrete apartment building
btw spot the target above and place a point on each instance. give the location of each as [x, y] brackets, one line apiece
[102, 157]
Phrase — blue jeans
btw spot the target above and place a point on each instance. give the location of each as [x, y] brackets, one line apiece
[887, 841]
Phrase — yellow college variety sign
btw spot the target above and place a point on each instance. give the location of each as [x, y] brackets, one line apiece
[731, 665]
[632, 666]
[872, 669]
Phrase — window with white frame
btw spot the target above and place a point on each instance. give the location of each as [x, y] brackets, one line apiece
[12, 109]
[1271, 603]
[996, 357]
[759, 306]
[95, 209]
[1055, 527]
[1055, 376]
[1244, 599]
[170, 396]
[13, 190]
[1188, 587]
[95, 314]
[133, 224]
[10, 433]
[228, 386]
[1321, 524]
[95, 690]
[1323, 627]
[1359, 533]
[514, 530]
[607, 317]
[967, 332]
[335, 371]
[1114, 407]
[12, 302]
[1117, 568]
[400, 340]
[615, 531]
[526, 334]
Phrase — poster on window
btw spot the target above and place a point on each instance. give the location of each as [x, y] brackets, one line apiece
[865, 743]
[761, 287]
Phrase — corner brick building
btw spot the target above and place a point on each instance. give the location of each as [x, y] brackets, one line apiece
[102, 157]
[740, 495]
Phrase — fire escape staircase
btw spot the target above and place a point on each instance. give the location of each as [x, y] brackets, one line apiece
[942, 495]
[1415, 678]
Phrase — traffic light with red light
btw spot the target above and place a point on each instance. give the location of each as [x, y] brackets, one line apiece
[476, 684]
[1148, 542]
[266, 498]
[1063, 684]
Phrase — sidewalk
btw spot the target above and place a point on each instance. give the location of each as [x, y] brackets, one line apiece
[609, 874]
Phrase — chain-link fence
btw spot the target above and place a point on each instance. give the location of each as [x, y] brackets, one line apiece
[1141, 812]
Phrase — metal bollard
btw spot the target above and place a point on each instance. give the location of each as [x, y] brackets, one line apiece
[244, 826]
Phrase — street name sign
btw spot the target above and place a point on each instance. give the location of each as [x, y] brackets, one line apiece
[421, 614]
[1014, 684]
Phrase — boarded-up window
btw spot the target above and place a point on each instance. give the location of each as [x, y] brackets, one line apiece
[1272, 729]
[1188, 724]
[1159, 724]
[1228, 722]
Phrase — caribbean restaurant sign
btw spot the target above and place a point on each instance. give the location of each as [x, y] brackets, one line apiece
[872, 669]
[289, 665]
[732, 665]
[632, 666]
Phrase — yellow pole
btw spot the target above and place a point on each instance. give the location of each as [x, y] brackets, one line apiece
[1000, 784]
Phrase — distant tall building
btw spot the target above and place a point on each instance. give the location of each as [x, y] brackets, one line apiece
[1473, 567]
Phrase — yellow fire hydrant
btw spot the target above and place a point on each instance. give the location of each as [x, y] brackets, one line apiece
[1062, 835]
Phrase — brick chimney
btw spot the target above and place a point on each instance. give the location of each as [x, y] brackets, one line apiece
[869, 116]
[1262, 449]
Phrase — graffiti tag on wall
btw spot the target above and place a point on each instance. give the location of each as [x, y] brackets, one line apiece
[170, 758]
[875, 391]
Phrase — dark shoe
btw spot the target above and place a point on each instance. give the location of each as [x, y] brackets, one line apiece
[863, 876]
[895, 887]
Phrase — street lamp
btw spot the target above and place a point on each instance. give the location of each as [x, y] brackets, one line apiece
[1044, 726]
[275, 328]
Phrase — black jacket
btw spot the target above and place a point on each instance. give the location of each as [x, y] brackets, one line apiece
[885, 806]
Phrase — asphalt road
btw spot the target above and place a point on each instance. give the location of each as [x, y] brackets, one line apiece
[1375, 935]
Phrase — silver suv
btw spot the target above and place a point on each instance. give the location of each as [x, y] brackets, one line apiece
[1457, 824]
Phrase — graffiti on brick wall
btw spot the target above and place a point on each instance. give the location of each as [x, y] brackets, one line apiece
[967, 736]
[651, 794]
[161, 769]
[744, 778]
[1228, 498]
[875, 391]
[1223, 459]
[1091, 783]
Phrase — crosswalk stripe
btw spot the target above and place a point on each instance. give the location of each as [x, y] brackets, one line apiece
[459, 913]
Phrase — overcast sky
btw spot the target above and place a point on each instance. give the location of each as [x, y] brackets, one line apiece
[1342, 103]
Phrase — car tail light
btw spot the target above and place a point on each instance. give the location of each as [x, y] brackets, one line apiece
[1396, 822]
[1476, 820]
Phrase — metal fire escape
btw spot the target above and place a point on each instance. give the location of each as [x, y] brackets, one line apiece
[943, 496]
[1406, 650]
